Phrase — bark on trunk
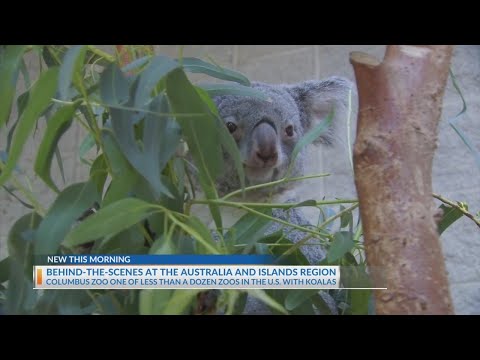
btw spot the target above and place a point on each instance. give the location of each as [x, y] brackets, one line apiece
[399, 108]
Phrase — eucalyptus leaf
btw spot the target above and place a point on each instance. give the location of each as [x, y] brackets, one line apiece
[225, 137]
[20, 295]
[346, 219]
[249, 229]
[87, 143]
[195, 65]
[9, 63]
[308, 138]
[64, 212]
[135, 64]
[297, 297]
[268, 300]
[179, 301]
[19, 240]
[5, 269]
[232, 89]
[200, 134]
[114, 87]
[360, 301]
[156, 152]
[154, 301]
[71, 68]
[99, 172]
[450, 215]
[158, 67]
[342, 243]
[56, 127]
[109, 220]
[39, 99]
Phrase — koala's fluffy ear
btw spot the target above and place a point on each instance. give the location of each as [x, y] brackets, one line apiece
[316, 98]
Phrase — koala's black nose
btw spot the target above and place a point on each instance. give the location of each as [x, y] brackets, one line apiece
[268, 155]
[265, 151]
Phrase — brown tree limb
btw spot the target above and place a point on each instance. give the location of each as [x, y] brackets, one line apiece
[399, 108]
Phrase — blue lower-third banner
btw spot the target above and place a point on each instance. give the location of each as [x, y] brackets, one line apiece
[185, 277]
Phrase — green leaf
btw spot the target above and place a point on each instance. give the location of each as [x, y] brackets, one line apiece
[8, 74]
[180, 301]
[20, 236]
[20, 296]
[71, 67]
[205, 236]
[22, 102]
[39, 99]
[25, 74]
[342, 243]
[262, 296]
[138, 63]
[326, 212]
[154, 301]
[87, 143]
[346, 218]
[248, 229]
[163, 245]
[124, 176]
[5, 269]
[109, 220]
[58, 158]
[450, 215]
[56, 127]
[64, 212]
[129, 241]
[280, 245]
[297, 297]
[308, 138]
[232, 89]
[71, 302]
[114, 87]
[28, 206]
[195, 65]
[149, 161]
[99, 172]
[161, 136]
[226, 139]
[159, 67]
[359, 301]
[200, 134]
[237, 300]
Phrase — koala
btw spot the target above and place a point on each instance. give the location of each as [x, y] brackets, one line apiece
[266, 133]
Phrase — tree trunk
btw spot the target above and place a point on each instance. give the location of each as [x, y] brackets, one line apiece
[399, 109]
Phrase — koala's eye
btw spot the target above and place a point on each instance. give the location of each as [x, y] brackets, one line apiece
[289, 130]
[231, 127]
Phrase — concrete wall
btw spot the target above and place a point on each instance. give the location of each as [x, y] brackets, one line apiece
[455, 174]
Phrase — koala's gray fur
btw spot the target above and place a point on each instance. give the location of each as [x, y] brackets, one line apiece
[302, 106]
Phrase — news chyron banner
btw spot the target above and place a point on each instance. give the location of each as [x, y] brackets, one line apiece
[178, 272]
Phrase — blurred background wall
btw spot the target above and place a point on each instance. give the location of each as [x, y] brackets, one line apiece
[455, 174]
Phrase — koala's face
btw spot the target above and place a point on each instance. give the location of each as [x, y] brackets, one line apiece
[266, 132]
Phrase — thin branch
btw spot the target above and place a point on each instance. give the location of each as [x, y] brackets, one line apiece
[458, 207]
[272, 183]
[276, 205]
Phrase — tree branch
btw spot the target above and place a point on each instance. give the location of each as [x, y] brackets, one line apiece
[399, 108]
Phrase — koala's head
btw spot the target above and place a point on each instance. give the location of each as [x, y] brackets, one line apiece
[266, 132]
